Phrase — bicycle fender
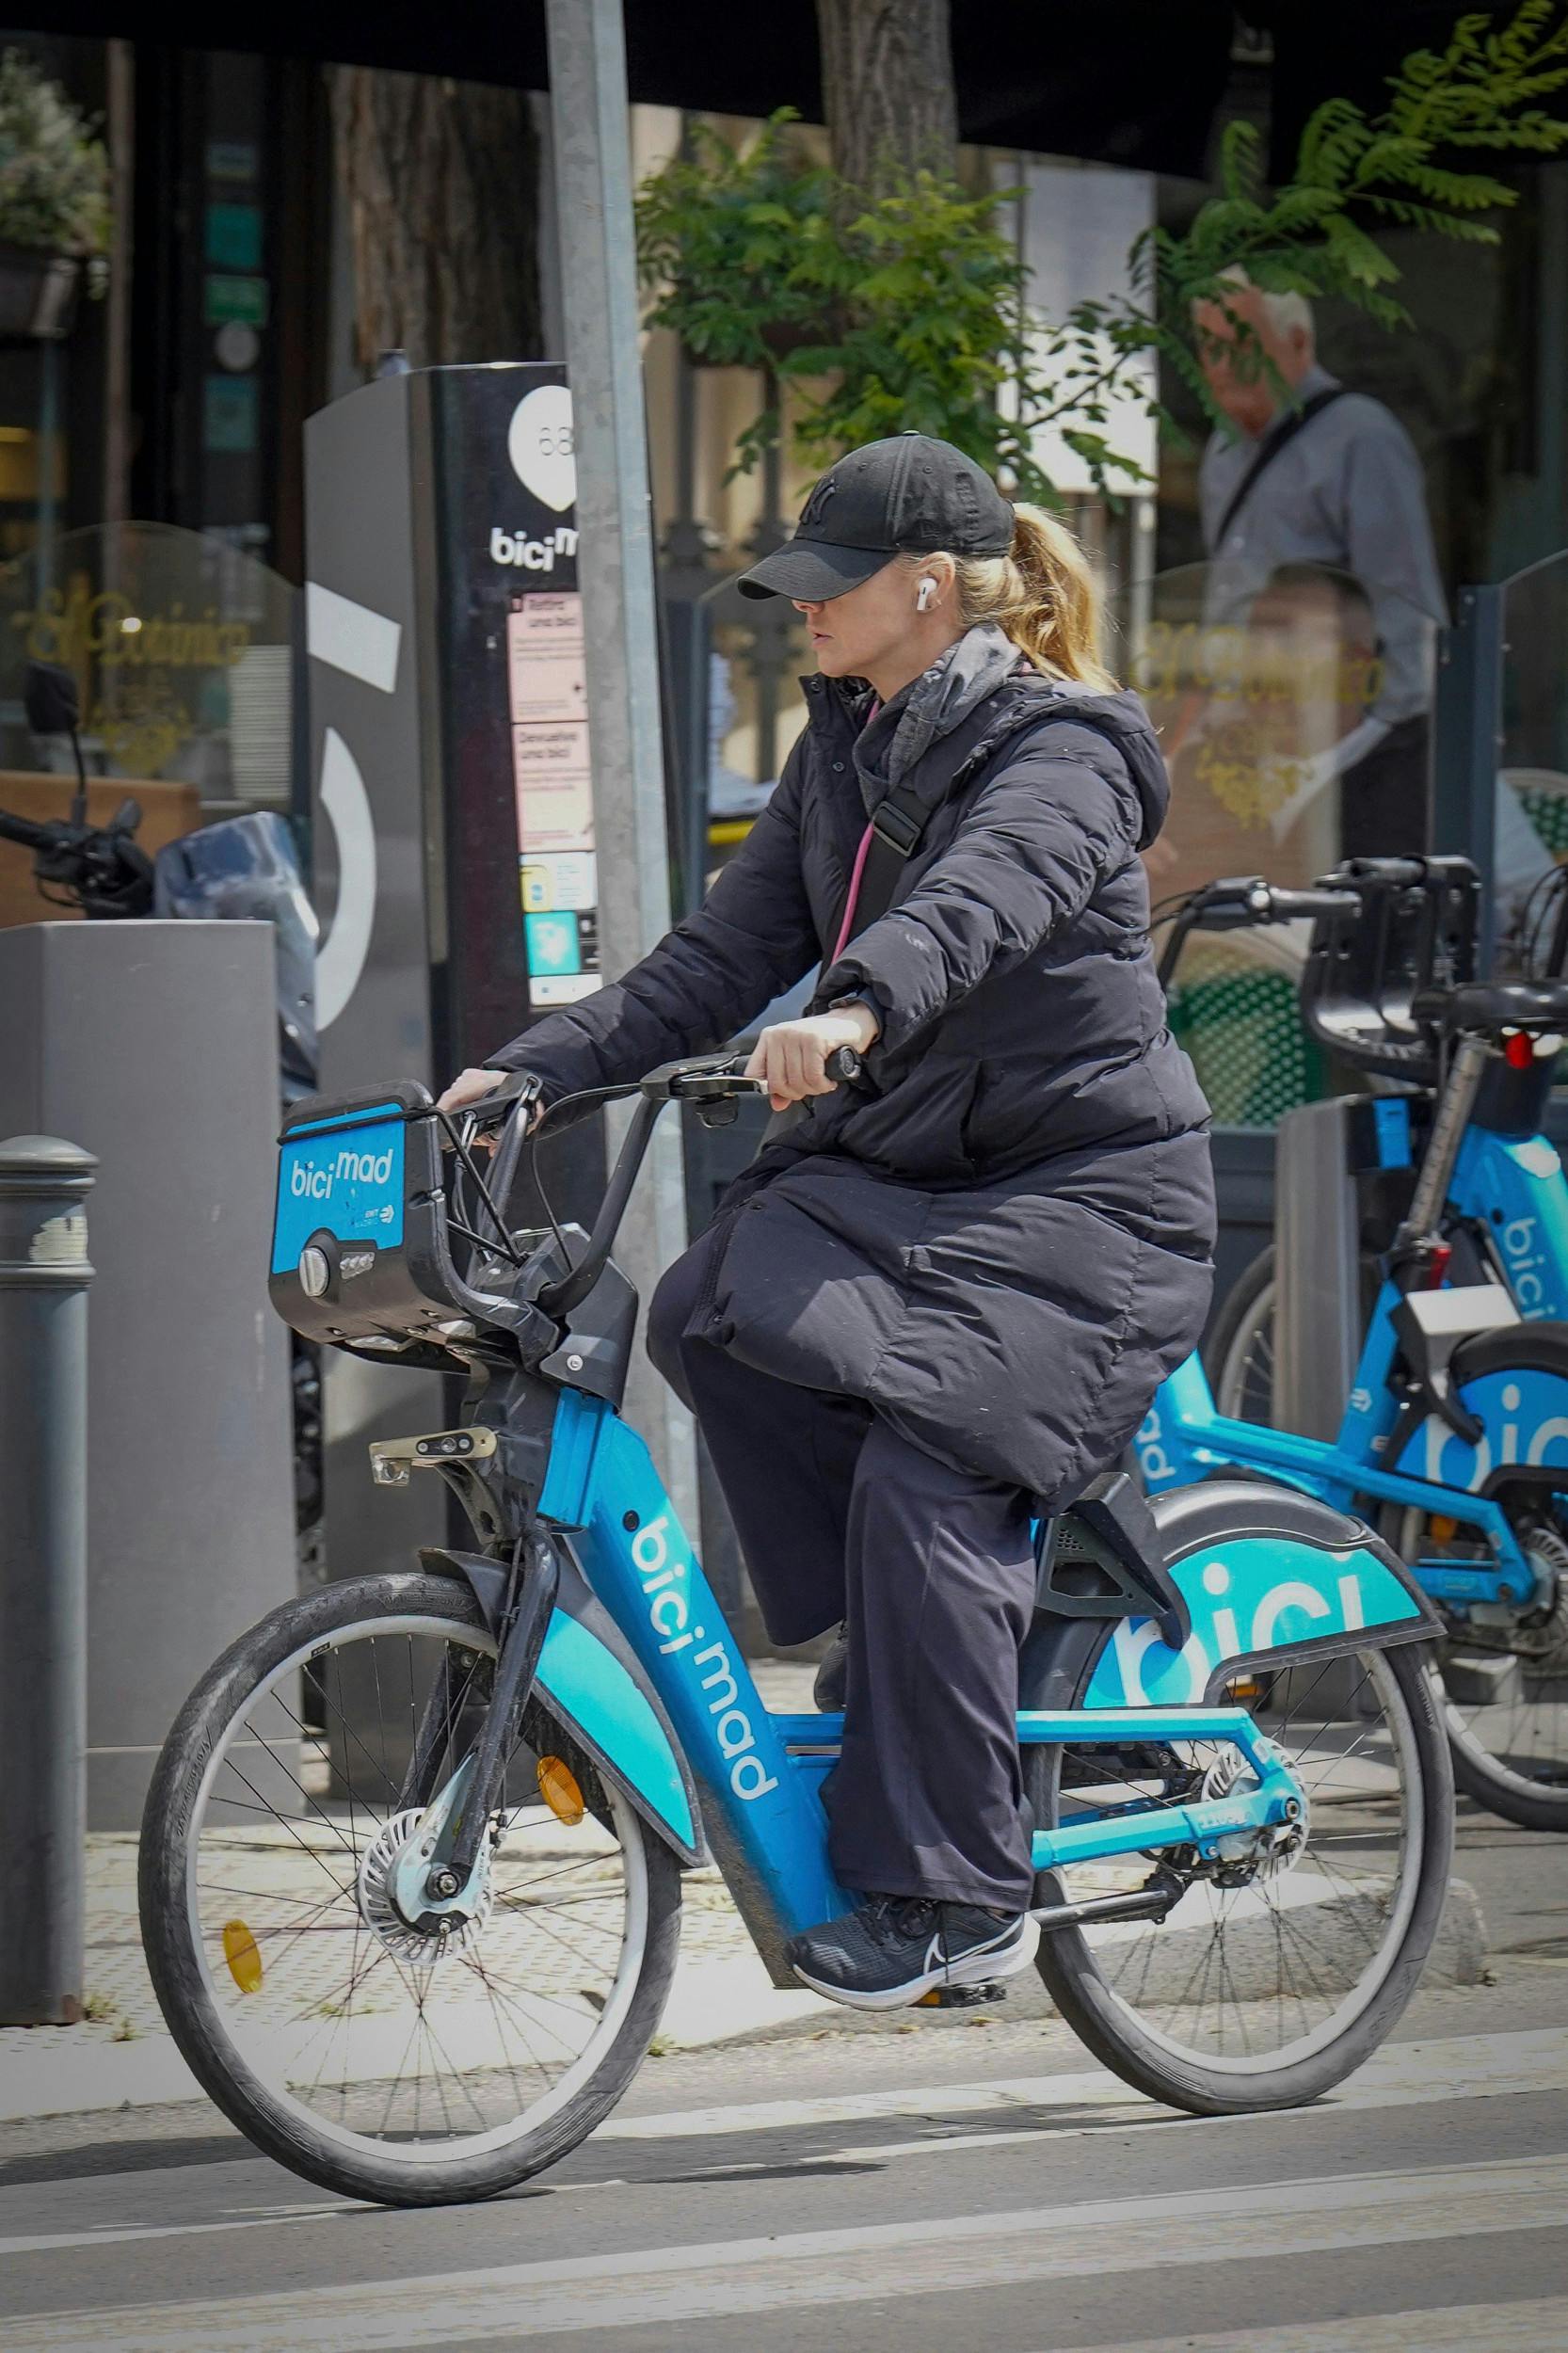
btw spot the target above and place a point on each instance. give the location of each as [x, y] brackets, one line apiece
[1270, 1578]
[592, 1683]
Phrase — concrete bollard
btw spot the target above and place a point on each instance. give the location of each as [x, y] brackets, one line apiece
[45, 1275]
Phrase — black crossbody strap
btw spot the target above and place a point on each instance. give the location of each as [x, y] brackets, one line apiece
[900, 822]
[1280, 440]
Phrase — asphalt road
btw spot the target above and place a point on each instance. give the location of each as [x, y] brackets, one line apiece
[952, 2184]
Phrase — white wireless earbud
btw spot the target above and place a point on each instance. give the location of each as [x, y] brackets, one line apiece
[926, 591]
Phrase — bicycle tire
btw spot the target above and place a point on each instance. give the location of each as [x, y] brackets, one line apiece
[277, 2123]
[1536, 1800]
[1110, 2027]
[1230, 1353]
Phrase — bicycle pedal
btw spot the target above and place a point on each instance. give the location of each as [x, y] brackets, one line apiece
[960, 1996]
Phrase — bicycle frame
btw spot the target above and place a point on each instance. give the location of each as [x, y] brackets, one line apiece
[1512, 1186]
[1515, 1186]
[760, 1775]
[1185, 1437]
[636, 1658]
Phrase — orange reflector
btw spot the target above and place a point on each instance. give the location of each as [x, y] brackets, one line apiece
[1441, 1528]
[240, 1950]
[559, 1790]
[927, 2001]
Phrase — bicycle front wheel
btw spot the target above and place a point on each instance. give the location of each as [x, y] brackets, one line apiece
[380, 2061]
[1276, 1974]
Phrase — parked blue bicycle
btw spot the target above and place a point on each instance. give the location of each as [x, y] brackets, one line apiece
[1455, 1432]
[413, 1855]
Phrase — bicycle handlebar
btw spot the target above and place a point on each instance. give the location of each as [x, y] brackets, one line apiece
[101, 866]
[23, 829]
[710, 1079]
[1238, 903]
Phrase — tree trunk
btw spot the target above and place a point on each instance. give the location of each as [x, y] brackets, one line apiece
[442, 183]
[888, 88]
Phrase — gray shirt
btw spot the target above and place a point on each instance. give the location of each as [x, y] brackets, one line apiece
[1347, 493]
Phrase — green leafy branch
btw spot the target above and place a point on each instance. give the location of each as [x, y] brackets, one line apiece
[909, 309]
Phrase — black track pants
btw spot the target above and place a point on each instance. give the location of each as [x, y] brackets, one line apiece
[931, 1568]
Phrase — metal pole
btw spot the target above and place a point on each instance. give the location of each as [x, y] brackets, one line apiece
[43, 1548]
[1468, 716]
[590, 128]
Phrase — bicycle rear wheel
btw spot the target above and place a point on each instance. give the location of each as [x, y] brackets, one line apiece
[378, 2060]
[1267, 1991]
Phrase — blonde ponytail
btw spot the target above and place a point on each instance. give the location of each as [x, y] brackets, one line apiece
[1042, 593]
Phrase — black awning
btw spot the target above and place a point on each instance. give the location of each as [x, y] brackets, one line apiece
[1132, 82]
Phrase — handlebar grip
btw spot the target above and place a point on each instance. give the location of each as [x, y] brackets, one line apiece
[844, 1066]
[23, 829]
[1405, 870]
[1287, 903]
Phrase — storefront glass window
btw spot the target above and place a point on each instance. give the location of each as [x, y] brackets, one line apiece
[1296, 728]
[182, 648]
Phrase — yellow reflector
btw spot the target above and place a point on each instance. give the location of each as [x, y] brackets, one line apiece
[559, 1790]
[241, 1952]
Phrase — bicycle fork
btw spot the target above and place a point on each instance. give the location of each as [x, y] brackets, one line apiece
[441, 1870]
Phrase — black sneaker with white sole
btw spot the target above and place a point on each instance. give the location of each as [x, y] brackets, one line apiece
[897, 1948]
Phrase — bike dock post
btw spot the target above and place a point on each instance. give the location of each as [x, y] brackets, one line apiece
[45, 1275]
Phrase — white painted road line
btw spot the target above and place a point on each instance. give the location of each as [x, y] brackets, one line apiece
[1539, 2325]
[58, 2242]
[1454, 2067]
[728, 2279]
[1404, 2074]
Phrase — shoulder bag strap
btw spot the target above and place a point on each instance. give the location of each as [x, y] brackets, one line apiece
[1279, 439]
[899, 824]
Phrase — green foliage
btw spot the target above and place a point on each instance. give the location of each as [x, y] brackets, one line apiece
[727, 235]
[1354, 174]
[53, 174]
[909, 309]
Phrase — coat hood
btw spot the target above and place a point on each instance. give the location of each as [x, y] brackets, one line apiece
[1121, 716]
[980, 695]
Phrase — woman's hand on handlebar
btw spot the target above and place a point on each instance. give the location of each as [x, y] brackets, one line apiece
[469, 1087]
[790, 1057]
[471, 1090]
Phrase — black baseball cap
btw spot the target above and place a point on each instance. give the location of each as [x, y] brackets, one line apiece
[906, 496]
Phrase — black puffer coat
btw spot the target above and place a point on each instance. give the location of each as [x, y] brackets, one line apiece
[1005, 1244]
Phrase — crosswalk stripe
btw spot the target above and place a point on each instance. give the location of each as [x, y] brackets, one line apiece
[1404, 2074]
[1538, 2324]
[725, 2280]
[1401, 2073]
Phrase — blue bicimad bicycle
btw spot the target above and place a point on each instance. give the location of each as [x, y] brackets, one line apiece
[412, 1861]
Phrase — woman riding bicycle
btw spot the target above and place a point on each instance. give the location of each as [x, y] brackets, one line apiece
[937, 1303]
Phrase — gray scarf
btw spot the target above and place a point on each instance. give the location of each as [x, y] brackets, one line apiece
[931, 706]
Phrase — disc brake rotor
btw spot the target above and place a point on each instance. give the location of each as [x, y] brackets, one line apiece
[451, 1931]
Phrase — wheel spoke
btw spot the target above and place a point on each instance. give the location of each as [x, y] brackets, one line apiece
[1269, 1955]
[372, 2029]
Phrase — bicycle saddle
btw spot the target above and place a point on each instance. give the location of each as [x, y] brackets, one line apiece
[1488, 1006]
[1103, 1557]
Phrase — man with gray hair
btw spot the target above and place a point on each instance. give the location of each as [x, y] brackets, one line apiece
[1316, 473]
